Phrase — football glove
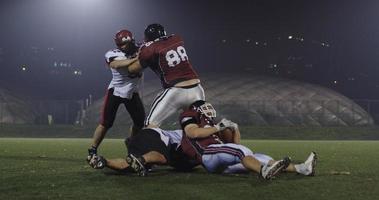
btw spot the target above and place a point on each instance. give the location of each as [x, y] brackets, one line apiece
[223, 124]
[97, 162]
[234, 126]
[91, 152]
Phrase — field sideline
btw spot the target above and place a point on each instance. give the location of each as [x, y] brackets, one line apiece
[55, 169]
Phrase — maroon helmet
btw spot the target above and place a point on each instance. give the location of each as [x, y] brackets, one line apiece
[123, 37]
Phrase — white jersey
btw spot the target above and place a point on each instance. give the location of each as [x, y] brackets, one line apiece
[173, 137]
[124, 84]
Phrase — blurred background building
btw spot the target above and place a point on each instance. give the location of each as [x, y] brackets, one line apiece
[52, 52]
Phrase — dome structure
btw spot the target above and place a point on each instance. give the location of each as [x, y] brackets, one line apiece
[15, 110]
[262, 100]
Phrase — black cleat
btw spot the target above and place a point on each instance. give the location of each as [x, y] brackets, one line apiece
[137, 164]
[268, 172]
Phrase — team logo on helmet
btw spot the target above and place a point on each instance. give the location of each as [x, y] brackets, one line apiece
[204, 108]
[123, 37]
[207, 110]
[126, 39]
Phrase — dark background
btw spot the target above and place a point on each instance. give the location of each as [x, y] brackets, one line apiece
[53, 49]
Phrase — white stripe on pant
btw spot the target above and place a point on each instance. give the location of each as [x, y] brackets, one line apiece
[224, 158]
[172, 100]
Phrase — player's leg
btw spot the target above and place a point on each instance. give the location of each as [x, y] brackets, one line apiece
[163, 106]
[221, 156]
[147, 147]
[153, 157]
[306, 168]
[170, 101]
[110, 106]
[192, 94]
[249, 162]
[98, 135]
[239, 168]
[137, 112]
[117, 164]
[218, 157]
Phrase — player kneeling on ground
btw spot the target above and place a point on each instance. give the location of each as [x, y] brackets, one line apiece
[201, 142]
[151, 146]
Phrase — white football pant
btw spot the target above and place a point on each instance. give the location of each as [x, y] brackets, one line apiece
[172, 100]
[226, 158]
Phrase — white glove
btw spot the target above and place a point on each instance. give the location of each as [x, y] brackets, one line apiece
[234, 126]
[223, 124]
[97, 162]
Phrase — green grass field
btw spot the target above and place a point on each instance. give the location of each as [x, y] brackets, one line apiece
[55, 169]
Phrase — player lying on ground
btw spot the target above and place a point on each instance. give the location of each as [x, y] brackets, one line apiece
[201, 142]
[148, 147]
[156, 146]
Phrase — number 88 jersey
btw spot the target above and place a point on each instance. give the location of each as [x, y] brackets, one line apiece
[168, 58]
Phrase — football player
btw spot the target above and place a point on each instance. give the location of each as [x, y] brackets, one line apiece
[123, 89]
[148, 147]
[167, 57]
[200, 142]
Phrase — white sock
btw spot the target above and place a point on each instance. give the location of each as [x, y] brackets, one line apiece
[300, 168]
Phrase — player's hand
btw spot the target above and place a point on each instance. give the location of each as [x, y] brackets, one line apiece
[88, 159]
[91, 152]
[234, 126]
[97, 162]
[223, 124]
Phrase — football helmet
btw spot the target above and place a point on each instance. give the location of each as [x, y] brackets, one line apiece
[125, 42]
[154, 31]
[123, 37]
[204, 108]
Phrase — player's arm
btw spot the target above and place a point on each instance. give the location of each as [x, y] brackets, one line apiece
[116, 63]
[135, 67]
[117, 164]
[236, 136]
[194, 131]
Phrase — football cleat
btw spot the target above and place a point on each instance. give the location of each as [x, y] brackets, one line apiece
[97, 162]
[136, 164]
[91, 152]
[270, 171]
[310, 164]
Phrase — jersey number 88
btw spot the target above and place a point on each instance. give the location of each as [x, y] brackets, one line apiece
[175, 57]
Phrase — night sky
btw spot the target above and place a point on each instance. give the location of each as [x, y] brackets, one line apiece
[243, 34]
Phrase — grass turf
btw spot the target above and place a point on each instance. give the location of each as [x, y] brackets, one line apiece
[55, 169]
[248, 132]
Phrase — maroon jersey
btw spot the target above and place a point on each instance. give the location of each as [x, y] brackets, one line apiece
[194, 148]
[167, 57]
